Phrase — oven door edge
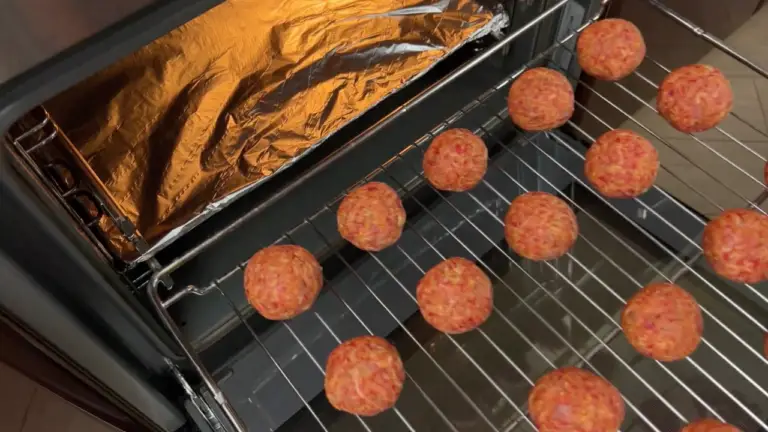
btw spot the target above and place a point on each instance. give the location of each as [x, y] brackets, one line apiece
[78, 349]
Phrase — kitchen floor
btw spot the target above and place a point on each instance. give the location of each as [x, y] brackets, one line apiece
[27, 407]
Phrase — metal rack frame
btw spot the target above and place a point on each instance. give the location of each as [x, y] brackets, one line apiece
[44, 133]
[684, 261]
[84, 186]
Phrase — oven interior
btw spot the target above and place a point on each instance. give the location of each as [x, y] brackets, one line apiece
[243, 372]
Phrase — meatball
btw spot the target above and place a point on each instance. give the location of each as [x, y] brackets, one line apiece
[709, 425]
[371, 217]
[735, 244]
[539, 226]
[282, 281]
[455, 296]
[364, 376]
[540, 99]
[621, 164]
[663, 321]
[694, 98]
[456, 160]
[572, 399]
[610, 49]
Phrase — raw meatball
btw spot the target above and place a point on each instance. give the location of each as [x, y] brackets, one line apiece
[694, 98]
[621, 164]
[610, 49]
[540, 99]
[456, 160]
[364, 376]
[663, 321]
[709, 425]
[735, 244]
[282, 281]
[371, 217]
[572, 399]
[455, 296]
[539, 226]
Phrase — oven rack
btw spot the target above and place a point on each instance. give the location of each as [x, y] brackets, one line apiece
[77, 189]
[682, 263]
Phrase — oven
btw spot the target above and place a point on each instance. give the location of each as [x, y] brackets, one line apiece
[140, 290]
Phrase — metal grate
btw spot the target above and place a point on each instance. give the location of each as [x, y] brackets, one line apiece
[734, 352]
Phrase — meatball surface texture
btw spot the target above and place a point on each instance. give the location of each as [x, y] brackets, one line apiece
[456, 160]
[735, 245]
[371, 217]
[282, 281]
[663, 321]
[455, 296]
[364, 376]
[572, 399]
[694, 98]
[540, 99]
[539, 226]
[610, 49]
[621, 164]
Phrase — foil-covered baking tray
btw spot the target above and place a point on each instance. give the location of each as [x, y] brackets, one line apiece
[199, 117]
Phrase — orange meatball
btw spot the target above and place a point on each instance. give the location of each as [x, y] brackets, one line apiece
[371, 217]
[610, 49]
[456, 160]
[455, 296]
[735, 244]
[540, 99]
[621, 164]
[539, 226]
[663, 321]
[572, 399]
[282, 281]
[694, 98]
[364, 376]
[709, 425]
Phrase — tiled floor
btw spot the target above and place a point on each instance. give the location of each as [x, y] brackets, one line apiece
[28, 407]
[694, 159]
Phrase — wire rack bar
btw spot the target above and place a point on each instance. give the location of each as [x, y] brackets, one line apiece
[606, 286]
[713, 40]
[527, 302]
[655, 135]
[640, 285]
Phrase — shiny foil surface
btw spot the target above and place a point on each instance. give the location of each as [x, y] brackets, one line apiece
[189, 122]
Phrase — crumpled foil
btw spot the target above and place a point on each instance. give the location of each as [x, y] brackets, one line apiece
[203, 114]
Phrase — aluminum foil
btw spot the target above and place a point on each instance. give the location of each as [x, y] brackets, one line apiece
[200, 116]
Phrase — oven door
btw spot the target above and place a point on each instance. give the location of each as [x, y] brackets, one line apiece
[65, 326]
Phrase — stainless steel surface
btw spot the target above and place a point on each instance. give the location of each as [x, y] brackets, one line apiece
[722, 380]
[32, 141]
